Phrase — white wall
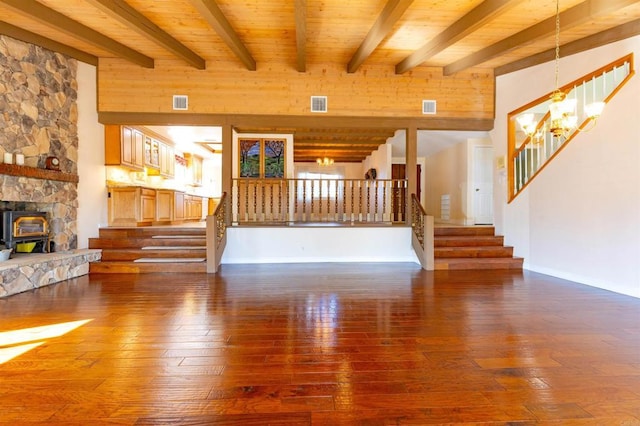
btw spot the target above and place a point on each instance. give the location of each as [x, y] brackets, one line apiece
[92, 193]
[318, 244]
[580, 218]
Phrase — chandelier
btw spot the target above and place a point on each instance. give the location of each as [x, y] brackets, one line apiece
[324, 161]
[563, 118]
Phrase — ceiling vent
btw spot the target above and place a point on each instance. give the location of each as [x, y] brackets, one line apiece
[318, 104]
[180, 102]
[428, 107]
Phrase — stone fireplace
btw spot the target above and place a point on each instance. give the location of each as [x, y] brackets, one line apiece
[38, 119]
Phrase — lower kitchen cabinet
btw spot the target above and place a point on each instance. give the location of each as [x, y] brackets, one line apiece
[139, 206]
[131, 206]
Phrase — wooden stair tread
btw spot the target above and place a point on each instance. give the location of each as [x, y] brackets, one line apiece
[168, 259]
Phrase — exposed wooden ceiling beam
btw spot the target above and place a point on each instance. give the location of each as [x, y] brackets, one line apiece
[60, 22]
[210, 10]
[294, 121]
[393, 10]
[572, 17]
[621, 32]
[337, 160]
[358, 133]
[121, 11]
[344, 148]
[301, 35]
[29, 37]
[464, 26]
[340, 141]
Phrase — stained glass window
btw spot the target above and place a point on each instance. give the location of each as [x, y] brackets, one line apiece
[262, 158]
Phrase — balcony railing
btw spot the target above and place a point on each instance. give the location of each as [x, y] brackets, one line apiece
[346, 201]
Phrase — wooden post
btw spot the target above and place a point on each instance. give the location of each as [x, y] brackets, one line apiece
[429, 263]
[227, 167]
[411, 162]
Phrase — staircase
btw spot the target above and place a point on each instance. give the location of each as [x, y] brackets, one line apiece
[150, 249]
[472, 247]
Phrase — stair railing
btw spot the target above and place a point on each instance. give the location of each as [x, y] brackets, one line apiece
[216, 235]
[422, 234]
[532, 145]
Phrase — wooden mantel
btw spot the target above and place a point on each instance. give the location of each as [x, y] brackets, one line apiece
[37, 173]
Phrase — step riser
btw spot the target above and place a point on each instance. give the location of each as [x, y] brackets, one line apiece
[146, 268]
[470, 264]
[473, 252]
[439, 231]
[147, 232]
[119, 255]
[468, 241]
[124, 243]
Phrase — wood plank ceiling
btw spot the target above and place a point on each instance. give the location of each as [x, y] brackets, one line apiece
[455, 35]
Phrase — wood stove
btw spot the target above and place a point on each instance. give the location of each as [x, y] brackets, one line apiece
[24, 227]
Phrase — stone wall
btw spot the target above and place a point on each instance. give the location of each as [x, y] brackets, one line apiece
[29, 272]
[38, 119]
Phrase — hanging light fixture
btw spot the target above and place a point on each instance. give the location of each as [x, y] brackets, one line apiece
[563, 118]
[324, 161]
[562, 111]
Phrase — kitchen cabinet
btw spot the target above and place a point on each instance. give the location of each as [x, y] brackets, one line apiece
[141, 206]
[167, 160]
[124, 146]
[178, 206]
[133, 148]
[131, 206]
[193, 207]
[164, 206]
[194, 165]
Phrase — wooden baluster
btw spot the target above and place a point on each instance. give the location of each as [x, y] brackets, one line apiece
[320, 200]
[375, 209]
[304, 200]
[335, 213]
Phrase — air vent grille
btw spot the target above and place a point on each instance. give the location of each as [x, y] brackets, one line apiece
[180, 102]
[428, 107]
[318, 104]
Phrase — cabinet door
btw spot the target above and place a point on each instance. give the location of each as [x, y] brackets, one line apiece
[122, 206]
[164, 206]
[197, 170]
[178, 206]
[147, 205]
[167, 161]
[138, 148]
[127, 150]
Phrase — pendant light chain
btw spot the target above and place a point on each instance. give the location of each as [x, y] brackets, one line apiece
[557, 43]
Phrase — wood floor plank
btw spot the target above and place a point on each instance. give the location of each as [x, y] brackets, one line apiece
[321, 344]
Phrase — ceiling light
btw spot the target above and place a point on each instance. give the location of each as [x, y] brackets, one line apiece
[324, 161]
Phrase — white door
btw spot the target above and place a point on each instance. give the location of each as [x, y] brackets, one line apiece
[483, 185]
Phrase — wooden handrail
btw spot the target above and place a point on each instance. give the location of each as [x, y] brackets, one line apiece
[422, 234]
[216, 235]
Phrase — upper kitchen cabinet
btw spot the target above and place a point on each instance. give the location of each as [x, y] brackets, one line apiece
[194, 165]
[137, 149]
[124, 146]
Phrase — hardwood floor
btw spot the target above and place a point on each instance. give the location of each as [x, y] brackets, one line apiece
[321, 344]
